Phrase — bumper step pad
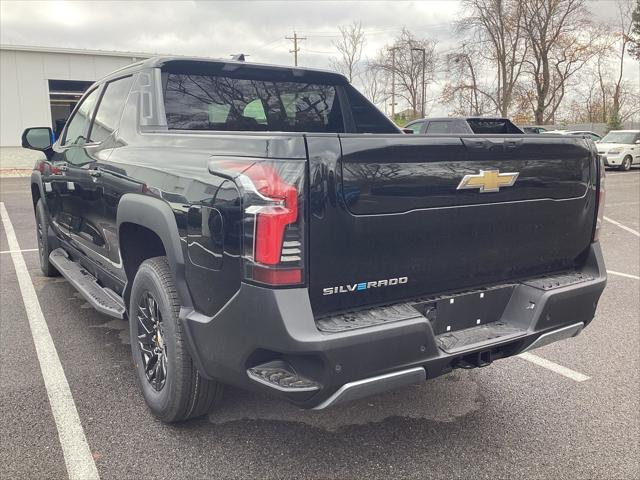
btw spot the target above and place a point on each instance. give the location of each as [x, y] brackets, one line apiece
[102, 299]
[549, 282]
[490, 333]
[281, 376]
[367, 318]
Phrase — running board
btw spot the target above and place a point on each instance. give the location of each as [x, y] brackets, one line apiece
[102, 299]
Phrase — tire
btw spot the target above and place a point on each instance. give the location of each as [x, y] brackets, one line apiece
[625, 166]
[171, 385]
[44, 249]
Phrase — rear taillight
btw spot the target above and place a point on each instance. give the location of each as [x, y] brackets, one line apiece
[273, 218]
[600, 197]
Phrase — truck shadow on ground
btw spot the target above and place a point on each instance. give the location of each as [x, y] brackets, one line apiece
[429, 401]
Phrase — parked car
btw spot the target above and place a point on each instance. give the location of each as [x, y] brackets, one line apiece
[463, 125]
[533, 129]
[620, 148]
[579, 133]
[268, 227]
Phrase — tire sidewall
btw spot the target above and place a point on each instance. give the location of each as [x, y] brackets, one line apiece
[147, 280]
[43, 240]
[627, 163]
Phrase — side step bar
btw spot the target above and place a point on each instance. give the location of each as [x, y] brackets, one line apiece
[374, 385]
[102, 299]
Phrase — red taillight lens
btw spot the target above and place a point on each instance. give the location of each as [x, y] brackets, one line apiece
[273, 218]
[277, 276]
[600, 198]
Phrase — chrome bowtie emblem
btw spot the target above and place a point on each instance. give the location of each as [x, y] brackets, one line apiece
[488, 181]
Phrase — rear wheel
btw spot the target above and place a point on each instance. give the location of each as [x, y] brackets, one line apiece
[170, 382]
[625, 166]
[44, 249]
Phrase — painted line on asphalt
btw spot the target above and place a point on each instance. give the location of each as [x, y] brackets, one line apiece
[77, 455]
[554, 367]
[18, 251]
[627, 275]
[624, 227]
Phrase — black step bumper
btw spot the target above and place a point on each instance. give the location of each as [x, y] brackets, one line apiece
[260, 325]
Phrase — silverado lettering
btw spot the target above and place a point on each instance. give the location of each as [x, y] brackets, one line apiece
[354, 287]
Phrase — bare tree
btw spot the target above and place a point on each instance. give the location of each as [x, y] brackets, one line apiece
[401, 61]
[623, 32]
[350, 47]
[463, 89]
[497, 32]
[562, 41]
[634, 44]
[374, 82]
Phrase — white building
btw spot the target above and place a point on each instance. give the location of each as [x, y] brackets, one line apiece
[40, 85]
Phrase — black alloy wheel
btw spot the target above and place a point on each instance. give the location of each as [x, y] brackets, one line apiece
[153, 347]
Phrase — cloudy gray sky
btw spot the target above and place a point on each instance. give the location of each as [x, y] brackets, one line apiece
[218, 29]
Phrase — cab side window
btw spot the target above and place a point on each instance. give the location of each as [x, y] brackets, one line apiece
[415, 127]
[110, 109]
[79, 124]
[439, 127]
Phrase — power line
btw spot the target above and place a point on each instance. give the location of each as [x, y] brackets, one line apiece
[296, 49]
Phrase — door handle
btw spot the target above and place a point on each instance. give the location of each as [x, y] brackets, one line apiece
[95, 172]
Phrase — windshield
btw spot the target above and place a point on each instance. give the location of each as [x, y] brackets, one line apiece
[619, 137]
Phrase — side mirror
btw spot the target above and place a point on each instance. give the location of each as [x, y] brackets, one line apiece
[407, 130]
[37, 138]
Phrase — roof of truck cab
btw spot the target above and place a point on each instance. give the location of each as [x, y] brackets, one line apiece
[230, 65]
[440, 119]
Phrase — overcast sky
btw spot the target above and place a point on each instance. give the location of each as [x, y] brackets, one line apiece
[218, 29]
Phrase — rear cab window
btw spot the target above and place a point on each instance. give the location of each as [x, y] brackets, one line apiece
[207, 102]
[228, 97]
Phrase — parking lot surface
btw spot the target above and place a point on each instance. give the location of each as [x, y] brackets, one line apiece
[570, 411]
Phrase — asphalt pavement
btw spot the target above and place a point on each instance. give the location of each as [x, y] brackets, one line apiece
[513, 419]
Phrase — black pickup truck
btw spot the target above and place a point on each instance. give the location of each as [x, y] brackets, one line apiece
[268, 227]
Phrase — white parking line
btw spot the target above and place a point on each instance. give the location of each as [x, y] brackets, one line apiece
[77, 455]
[628, 275]
[18, 251]
[624, 227]
[554, 367]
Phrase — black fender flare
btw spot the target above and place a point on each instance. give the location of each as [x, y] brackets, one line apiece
[36, 179]
[158, 216]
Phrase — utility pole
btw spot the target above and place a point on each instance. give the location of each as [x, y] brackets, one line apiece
[393, 82]
[424, 66]
[296, 49]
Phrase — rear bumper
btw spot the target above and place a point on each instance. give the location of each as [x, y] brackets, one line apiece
[260, 325]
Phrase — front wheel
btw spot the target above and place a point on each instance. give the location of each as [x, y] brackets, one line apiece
[625, 166]
[171, 385]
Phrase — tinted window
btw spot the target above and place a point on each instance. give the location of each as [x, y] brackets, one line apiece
[415, 127]
[110, 109]
[498, 125]
[79, 124]
[212, 102]
[367, 118]
[439, 127]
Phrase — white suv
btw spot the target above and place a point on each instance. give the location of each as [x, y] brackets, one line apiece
[620, 148]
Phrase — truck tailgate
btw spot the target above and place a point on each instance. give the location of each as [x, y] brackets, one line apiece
[389, 222]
